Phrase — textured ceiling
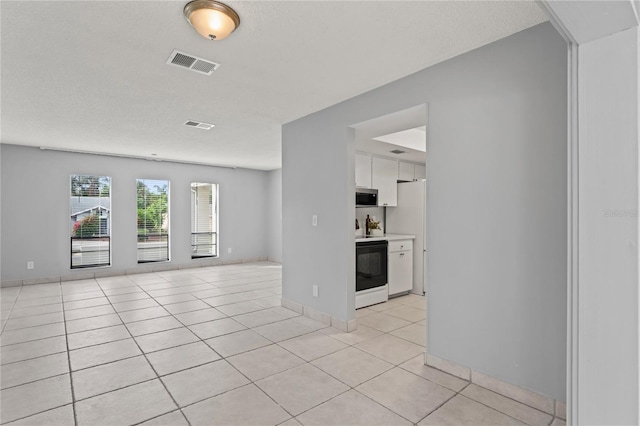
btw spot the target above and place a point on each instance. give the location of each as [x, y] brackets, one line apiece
[91, 75]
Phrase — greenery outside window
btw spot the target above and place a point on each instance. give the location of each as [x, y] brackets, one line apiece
[153, 220]
[90, 221]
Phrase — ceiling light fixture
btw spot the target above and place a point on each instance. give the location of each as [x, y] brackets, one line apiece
[211, 19]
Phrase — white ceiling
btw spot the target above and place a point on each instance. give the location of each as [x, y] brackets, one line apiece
[91, 75]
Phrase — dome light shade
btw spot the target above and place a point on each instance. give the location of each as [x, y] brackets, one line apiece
[211, 19]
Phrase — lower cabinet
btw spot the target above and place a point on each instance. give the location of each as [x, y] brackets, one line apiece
[400, 266]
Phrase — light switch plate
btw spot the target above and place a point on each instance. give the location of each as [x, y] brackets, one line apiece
[314, 220]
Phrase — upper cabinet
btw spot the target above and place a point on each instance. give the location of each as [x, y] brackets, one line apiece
[408, 172]
[363, 170]
[384, 178]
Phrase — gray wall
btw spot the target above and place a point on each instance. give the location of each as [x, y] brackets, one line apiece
[496, 216]
[274, 229]
[35, 209]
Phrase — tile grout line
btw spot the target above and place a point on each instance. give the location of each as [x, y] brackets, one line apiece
[150, 365]
[66, 338]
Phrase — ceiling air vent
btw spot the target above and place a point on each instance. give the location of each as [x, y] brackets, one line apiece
[397, 151]
[191, 62]
[199, 125]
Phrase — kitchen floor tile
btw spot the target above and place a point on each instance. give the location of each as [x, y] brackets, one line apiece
[212, 292]
[108, 377]
[22, 372]
[26, 303]
[239, 308]
[154, 325]
[258, 318]
[101, 354]
[406, 394]
[34, 320]
[174, 298]
[235, 343]
[512, 408]
[361, 334]
[143, 314]
[352, 366]
[269, 302]
[313, 345]
[130, 405]
[462, 411]
[92, 323]
[226, 299]
[92, 293]
[17, 312]
[216, 328]
[414, 333]
[281, 310]
[351, 408]
[363, 312]
[135, 304]
[283, 330]
[301, 388]
[205, 381]
[232, 408]
[192, 305]
[383, 322]
[93, 311]
[407, 313]
[416, 366]
[87, 303]
[181, 357]
[390, 348]
[202, 315]
[33, 349]
[165, 339]
[97, 336]
[260, 363]
[128, 297]
[58, 416]
[175, 418]
[11, 337]
[33, 398]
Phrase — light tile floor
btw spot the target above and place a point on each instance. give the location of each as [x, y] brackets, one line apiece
[214, 346]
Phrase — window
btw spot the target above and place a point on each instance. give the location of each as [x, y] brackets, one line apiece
[90, 207]
[153, 220]
[204, 220]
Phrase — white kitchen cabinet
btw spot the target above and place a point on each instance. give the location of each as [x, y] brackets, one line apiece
[420, 172]
[384, 178]
[400, 266]
[363, 171]
[406, 171]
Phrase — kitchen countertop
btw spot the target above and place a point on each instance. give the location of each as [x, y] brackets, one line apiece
[388, 237]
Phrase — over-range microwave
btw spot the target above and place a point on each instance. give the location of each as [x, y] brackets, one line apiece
[366, 197]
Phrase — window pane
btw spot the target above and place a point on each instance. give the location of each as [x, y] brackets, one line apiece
[153, 220]
[90, 204]
[204, 220]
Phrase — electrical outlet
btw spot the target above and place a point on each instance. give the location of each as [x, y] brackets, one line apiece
[315, 291]
[229, 250]
[31, 264]
[314, 220]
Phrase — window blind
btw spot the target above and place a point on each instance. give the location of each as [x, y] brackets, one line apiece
[204, 220]
[90, 221]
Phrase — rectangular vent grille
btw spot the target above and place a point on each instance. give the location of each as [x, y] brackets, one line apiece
[397, 151]
[199, 125]
[191, 62]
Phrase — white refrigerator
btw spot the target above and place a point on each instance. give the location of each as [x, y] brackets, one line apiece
[409, 218]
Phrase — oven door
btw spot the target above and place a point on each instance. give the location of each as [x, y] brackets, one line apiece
[371, 264]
